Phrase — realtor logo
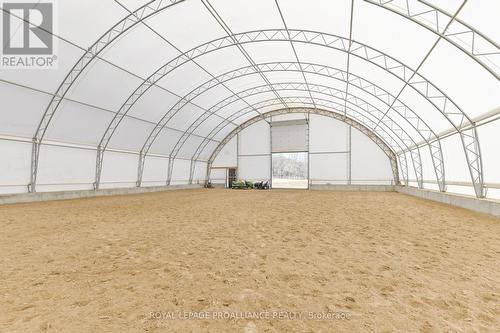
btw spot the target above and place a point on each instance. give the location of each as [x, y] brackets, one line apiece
[27, 35]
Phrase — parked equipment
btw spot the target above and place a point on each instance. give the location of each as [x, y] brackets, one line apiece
[263, 185]
[242, 184]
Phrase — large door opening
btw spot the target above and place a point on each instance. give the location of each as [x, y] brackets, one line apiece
[231, 177]
[290, 154]
[290, 170]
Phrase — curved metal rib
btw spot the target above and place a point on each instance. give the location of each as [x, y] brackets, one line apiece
[450, 110]
[420, 84]
[335, 115]
[361, 117]
[148, 10]
[385, 97]
[355, 101]
[473, 43]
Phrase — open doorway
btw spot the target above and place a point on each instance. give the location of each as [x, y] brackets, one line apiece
[290, 170]
[231, 177]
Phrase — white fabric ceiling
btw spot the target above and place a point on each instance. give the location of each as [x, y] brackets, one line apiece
[187, 50]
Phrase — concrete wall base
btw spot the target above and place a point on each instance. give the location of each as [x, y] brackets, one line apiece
[355, 188]
[65, 195]
[485, 206]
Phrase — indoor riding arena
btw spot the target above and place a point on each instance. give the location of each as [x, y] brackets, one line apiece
[250, 166]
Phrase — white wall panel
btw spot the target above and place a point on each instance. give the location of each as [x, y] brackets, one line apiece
[165, 141]
[21, 109]
[189, 147]
[254, 168]
[14, 166]
[153, 104]
[104, 85]
[208, 125]
[255, 139]
[328, 168]
[78, 123]
[289, 136]
[130, 134]
[218, 176]
[207, 152]
[200, 172]
[227, 156]
[489, 136]
[185, 117]
[180, 172]
[455, 163]
[368, 162]
[155, 171]
[119, 170]
[327, 134]
[64, 168]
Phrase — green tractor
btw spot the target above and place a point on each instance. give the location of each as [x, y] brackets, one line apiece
[242, 184]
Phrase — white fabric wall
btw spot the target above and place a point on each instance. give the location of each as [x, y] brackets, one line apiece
[255, 139]
[328, 158]
[328, 147]
[254, 168]
[105, 85]
[119, 170]
[369, 164]
[63, 168]
[227, 156]
[254, 147]
[180, 172]
[218, 176]
[289, 136]
[200, 172]
[155, 171]
[14, 166]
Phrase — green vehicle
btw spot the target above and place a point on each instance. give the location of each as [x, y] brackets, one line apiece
[242, 184]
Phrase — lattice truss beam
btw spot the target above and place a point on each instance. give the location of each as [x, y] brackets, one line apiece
[124, 25]
[352, 111]
[464, 37]
[357, 109]
[416, 122]
[311, 110]
[478, 47]
[366, 119]
[425, 88]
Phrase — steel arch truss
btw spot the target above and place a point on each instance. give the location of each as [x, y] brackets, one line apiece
[356, 102]
[404, 111]
[335, 115]
[414, 80]
[148, 10]
[403, 168]
[361, 117]
[461, 35]
[326, 104]
[425, 88]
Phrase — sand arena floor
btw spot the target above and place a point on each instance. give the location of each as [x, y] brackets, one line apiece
[385, 261]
